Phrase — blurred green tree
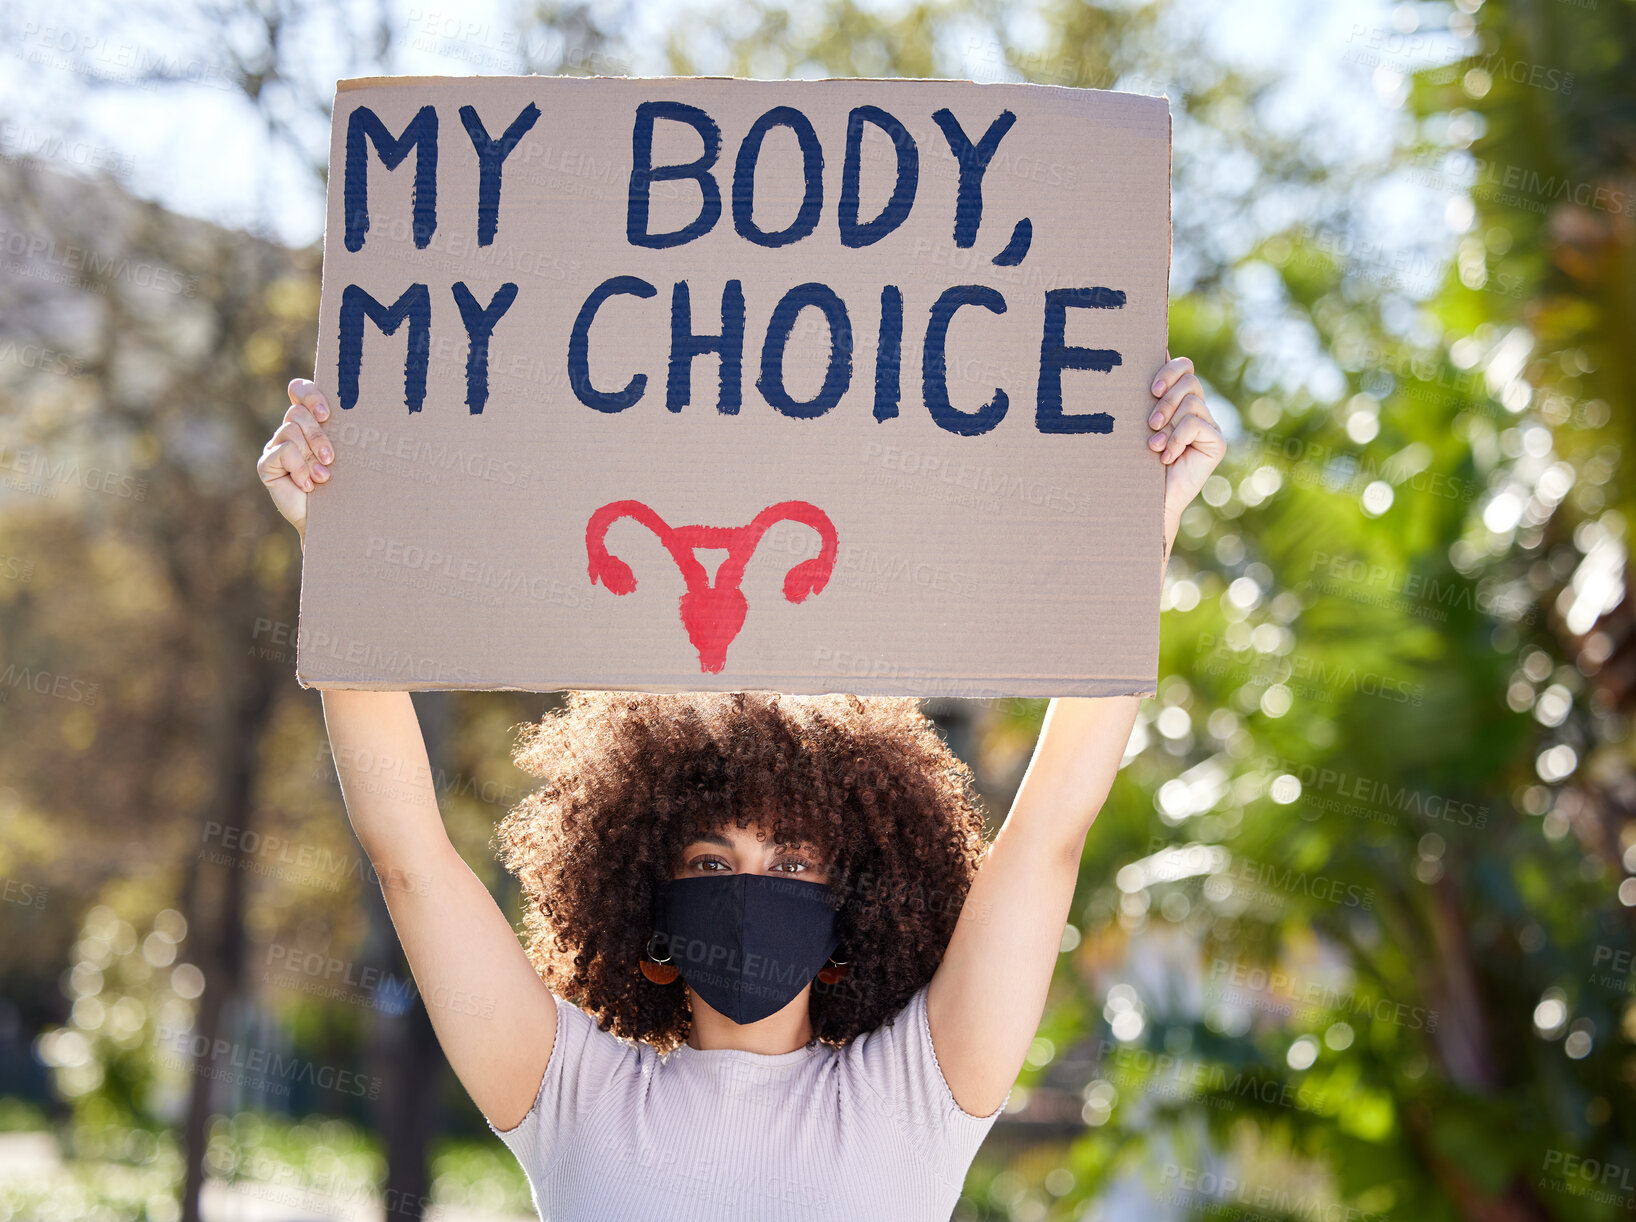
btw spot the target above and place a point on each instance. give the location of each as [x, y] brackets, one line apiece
[1389, 700]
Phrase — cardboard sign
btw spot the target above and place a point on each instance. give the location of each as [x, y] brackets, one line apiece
[705, 384]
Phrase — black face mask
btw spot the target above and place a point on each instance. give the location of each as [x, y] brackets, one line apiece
[746, 943]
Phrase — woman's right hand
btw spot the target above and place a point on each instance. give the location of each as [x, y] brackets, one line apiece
[298, 456]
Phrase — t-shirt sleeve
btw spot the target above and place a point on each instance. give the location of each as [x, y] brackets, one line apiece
[899, 1064]
[584, 1058]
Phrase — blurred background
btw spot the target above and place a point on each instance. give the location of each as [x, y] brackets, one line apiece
[1354, 933]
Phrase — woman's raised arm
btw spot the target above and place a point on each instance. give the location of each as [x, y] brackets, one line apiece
[988, 995]
[493, 1015]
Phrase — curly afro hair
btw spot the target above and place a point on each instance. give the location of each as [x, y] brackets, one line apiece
[631, 778]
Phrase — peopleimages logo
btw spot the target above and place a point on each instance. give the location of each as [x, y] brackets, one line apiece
[713, 955]
[1245, 982]
[1142, 1071]
[438, 456]
[1290, 881]
[1381, 794]
[1590, 1170]
[1187, 1185]
[1493, 178]
[261, 1067]
[1523, 72]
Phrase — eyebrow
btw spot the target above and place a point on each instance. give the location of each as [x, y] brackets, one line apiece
[724, 842]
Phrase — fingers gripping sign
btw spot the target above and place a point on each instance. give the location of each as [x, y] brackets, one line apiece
[1185, 436]
[297, 458]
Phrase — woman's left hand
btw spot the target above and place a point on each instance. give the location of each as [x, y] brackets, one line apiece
[1188, 436]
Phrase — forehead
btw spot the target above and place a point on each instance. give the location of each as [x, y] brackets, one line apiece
[731, 836]
[763, 831]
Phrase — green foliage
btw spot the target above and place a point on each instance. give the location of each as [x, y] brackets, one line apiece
[480, 1176]
[116, 1059]
[102, 1167]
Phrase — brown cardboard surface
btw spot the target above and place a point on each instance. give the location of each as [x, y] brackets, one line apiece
[455, 548]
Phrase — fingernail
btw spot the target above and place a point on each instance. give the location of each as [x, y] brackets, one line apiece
[1158, 385]
[323, 410]
[326, 454]
[320, 470]
[1156, 419]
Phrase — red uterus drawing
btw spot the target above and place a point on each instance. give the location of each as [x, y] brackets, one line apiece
[712, 614]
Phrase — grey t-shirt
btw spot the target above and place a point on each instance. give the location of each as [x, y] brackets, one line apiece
[619, 1133]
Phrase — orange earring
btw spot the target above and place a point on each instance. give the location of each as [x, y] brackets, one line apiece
[660, 971]
[835, 970]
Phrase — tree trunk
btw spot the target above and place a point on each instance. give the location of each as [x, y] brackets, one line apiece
[218, 923]
[409, 1064]
[408, 1060]
[1465, 1044]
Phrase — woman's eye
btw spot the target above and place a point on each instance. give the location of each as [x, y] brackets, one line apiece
[706, 863]
[798, 865]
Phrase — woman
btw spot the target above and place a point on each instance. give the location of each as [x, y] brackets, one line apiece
[774, 972]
